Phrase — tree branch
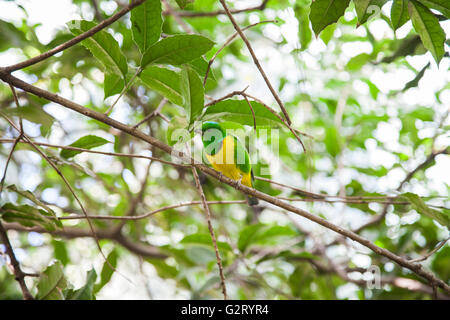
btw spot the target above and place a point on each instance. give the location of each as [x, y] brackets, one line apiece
[102, 234]
[211, 231]
[18, 273]
[416, 268]
[256, 61]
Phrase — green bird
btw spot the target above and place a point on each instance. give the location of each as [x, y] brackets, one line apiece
[227, 155]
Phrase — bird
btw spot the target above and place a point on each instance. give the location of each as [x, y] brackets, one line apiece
[227, 155]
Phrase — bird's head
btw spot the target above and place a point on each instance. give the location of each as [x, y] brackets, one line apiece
[212, 132]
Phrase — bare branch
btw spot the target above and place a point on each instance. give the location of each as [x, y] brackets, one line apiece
[115, 154]
[18, 273]
[97, 12]
[227, 42]
[130, 82]
[138, 248]
[429, 254]
[176, 16]
[211, 231]
[255, 60]
[253, 112]
[156, 112]
[151, 213]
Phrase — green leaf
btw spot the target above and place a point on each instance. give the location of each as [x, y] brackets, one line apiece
[201, 65]
[415, 82]
[240, 112]
[422, 113]
[163, 269]
[193, 93]
[358, 61]
[441, 5]
[33, 114]
[327, 34]
[30, 196]
[332, 141]
[107, 271]
[60, 251]
[399, 13]
[246, 236]
[103, 46]
[28, 216]
[441, 261]
[86, 292]
[177, 131]
[10, 36]
[164, 81]
[113, 84]
[204, 239]
[200, 255]
[365, 9]
[304, 31]
[177, 50]
[420, 206]
[373, 89]
[263, 235]
[146, 24]
[427, 26]
[86, 142]
[326, 12]
[183, 3]
[407, 46]
[52, 283]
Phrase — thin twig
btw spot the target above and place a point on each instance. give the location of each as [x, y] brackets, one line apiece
[176, 16]
[294, 132]
[16, 100]
[339, 200]
[139, 248]
[98, 14]
[18, 273]
[256, 61]
[156, 112]
[211, 231]
[312, 195]
[8, 160]
[151, 213]
[253, 111]
[436, 249]
[116, 154]
[229, 95]
[130, 82]
[227, 42]
[137, 199]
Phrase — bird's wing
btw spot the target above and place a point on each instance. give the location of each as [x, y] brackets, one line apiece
[241, 157]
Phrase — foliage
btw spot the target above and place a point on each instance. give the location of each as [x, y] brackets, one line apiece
[366, 105]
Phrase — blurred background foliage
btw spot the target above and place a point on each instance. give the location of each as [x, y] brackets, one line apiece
[372, 100]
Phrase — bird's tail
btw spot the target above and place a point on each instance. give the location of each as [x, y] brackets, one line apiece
[252, 201]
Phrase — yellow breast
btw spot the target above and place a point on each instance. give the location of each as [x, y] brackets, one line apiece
[224, 161]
